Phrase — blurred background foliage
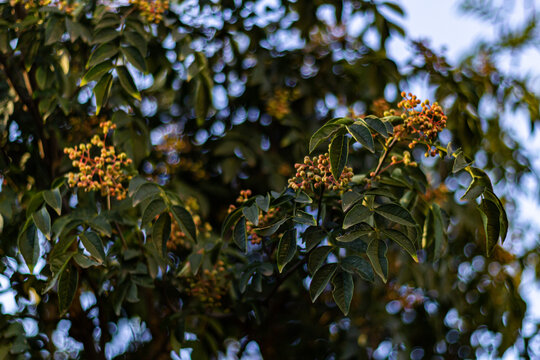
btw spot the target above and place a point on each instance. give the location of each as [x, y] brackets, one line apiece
[219, 96]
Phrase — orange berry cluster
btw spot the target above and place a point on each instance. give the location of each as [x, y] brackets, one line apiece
[100, 168]
[315, 173]
[209, 286]
[425, 123]
[178, 239]
[265, 219]
[62, 5]
[152, 10]
[279, 104]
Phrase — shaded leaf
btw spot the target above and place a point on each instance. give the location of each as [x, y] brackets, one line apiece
[339, 151]
[126, 80]
[102, 91]
[358, 265]
[322, 134]
[135, 58]
[153, 209]
[317, 258]
[286, 248]
[320, 280]
[102, 53]
[396, 213]
[240, 235]
[185, 221]
[161, 231]
[42, 219]
[356, 215]
[376, 253]
[349, 198]
[376, 124]
[28, 243]
[67, 286]
[251, 213]
[490, 217]
[360, 132]
[343, 290]
[53, 199]
[305, 218]
[403, 241]
[92, 243]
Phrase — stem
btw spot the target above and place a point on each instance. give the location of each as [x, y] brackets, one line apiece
[124, 243]
[383, 157]
[320, 205]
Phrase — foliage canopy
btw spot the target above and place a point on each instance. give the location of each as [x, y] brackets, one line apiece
[215, 174]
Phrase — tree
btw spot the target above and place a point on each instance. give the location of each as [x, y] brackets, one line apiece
[216, 174]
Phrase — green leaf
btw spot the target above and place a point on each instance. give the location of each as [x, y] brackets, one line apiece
[102, 90]
[349, 198]
[361, 133]
[402, 240]
[135, 184]
[251, 213]
[185, 221]
[320, 280]
[304, 218]
[126, 80]
[356, 232]
[376, 253]
[343, 290]
[101, 224]
[358, 265]
[101, 53]
[270, 229]
[460, 162]
[396, 213]
[376, 124]
[105, 35]
[92, 243]
[54, 30]
[84, 261]
[135, 39]
[503, 219]
[286, 248]
[96, 72]
[53, 199]
[67, 286]
[490, 217]
[356, 215]
[303, 198]
[312, 236]
[135, 58]
[475, 189]
[317, 258]
[144, 192]
[231, 220]
[28, 243]
[161, 231]
[240, 235]
[322, 134]
[263, 202]
[42, 219]
[153, 209]
[339, 151]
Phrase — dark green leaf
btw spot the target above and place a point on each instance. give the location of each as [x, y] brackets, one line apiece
[286, 248]
[161, 231]
[84, 261]
[303, 198]
[339, 151]
[102, 91]
[503, 219]
[460, 162]
[396, 213]
[376, 124]
[136, 40]
[126, 80]
[263, 202]
[153, 209]
[322, 134]
[343, 290]
[67, 286]
[356, 232]
[358, 265]
[92, 243]
[231, 220]
[101, 224]
[135, 184]
[349, 198]
[102, 53]
[42, 219]
[251, 213]
[490, 217]
[317, 258]
[403, 241]
[376, 253]
[320, 280]
[105, 35]
[356, 215]
[185, 221]
[439, 230]
[144, 192]
[135, 58]
[53, 199]
[270, 229]
[54, 30]
[361, 133]
[240, 235]
[304, 218]
[312, 236]
[28, 243]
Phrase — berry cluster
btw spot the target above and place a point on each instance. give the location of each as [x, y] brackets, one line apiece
[178, 239]
[315, 173]
[279, 104]
[62, 5]
[265, 219]
[424, 124]
[210, 286]
[152, 10]
[100, 168]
